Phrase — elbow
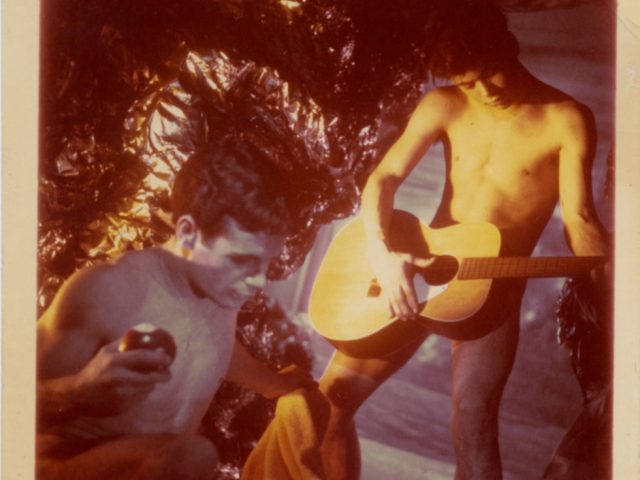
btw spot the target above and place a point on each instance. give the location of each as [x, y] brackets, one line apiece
[586, 235]
[580, 219]
[578, 226]
[576, 220]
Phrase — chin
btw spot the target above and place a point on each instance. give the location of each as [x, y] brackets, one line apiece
[228, 304]
[233, 301]
[499, 103]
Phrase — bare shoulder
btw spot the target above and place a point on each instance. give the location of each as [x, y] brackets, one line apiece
[571, 111]
[92, 297]
[442, 100]
[439, 106]
[567, 113]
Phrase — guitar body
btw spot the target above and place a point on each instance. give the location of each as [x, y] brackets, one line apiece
[348, 309]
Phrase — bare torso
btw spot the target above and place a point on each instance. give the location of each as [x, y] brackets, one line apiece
[204, 335]
[502, 167]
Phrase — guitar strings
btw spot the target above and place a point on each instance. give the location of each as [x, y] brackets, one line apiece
[514, 266]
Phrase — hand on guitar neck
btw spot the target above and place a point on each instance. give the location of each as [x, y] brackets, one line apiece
[394, 273]
[602, 276]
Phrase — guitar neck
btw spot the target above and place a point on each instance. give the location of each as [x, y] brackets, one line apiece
[525, 267]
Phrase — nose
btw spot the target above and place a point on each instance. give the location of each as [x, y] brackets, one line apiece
[258, 281]
[483, 88]
[490, 89]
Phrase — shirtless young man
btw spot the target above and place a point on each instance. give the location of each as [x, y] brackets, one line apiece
[100, 417]
[513, 147]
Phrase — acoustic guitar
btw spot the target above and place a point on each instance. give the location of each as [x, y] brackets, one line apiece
[348, 308]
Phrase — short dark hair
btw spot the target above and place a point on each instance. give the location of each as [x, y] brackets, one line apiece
[464, 35]
[232, 179]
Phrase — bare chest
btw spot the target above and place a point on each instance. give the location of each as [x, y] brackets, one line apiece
[502, 170]
[204, 339]
[510, 151]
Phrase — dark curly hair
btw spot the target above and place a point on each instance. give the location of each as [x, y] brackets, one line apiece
[465, 35]
[232, 179]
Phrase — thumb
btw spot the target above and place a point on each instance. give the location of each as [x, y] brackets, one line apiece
[112, 347]
[420, 262]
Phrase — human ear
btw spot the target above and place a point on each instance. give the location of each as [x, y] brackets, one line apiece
[186, 232]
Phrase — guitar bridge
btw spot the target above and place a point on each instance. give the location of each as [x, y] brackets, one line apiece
[374, 288]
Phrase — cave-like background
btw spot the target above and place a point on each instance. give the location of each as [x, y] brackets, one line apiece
[129, 89]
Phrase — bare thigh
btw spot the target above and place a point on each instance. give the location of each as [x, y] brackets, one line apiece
[481, 367]
[347, 382]
[154, 457]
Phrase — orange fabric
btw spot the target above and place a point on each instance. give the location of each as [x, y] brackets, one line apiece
[290, 447]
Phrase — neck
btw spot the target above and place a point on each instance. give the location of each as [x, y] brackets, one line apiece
[177, 272]
[519, 81]
[175, 269]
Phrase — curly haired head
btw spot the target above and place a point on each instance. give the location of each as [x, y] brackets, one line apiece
[232, 179]
[466, 35]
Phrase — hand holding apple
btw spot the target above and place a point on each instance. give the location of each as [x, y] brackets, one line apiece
[149, 337]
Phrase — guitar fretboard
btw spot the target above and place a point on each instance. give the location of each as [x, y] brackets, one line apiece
[519, 267]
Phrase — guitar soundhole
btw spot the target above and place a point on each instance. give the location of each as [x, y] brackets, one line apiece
[441, 271]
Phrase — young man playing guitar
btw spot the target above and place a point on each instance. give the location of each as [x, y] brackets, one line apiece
[514, 146]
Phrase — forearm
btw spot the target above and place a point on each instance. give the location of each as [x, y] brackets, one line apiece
[57, 401]
[587, 237]
[377, 207]
[424, 127]
[248, 372]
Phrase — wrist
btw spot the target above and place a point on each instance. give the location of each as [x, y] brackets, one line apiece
[378, 244]
[267, 383]
[58, 400]
[79, 393]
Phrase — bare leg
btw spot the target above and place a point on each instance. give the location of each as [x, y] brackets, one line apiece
[157, 457]
[480, 370]
[347, 382]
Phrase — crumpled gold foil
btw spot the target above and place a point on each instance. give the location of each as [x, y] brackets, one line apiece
[131, 89]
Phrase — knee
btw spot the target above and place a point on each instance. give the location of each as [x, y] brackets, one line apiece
[198, 456]
[344, 398]
[188, 457]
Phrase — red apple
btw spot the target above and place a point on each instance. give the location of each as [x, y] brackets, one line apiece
[148, 336]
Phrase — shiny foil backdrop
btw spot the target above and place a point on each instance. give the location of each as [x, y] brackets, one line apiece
[130, 89]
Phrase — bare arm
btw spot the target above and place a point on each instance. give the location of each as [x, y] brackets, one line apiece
[80, 371]
[108, 384]
[423, 129]
[585, 234]
[392, 271]
[249, 372]
[583, 230]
